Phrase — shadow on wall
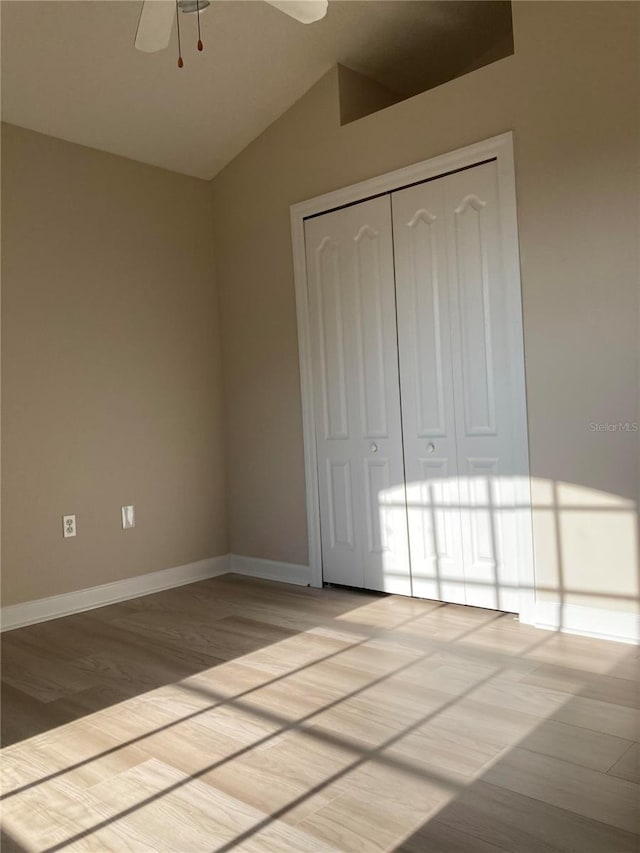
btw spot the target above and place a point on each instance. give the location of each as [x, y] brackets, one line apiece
[586, 539]
[429, 45]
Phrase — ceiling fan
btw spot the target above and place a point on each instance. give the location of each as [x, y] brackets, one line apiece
[157, 17]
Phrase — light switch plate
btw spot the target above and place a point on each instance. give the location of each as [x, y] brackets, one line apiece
[128, 517]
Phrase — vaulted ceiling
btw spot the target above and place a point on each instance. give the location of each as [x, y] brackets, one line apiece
[69, 68]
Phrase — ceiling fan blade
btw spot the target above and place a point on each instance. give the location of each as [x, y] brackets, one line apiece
[305, 11]
[155, 25]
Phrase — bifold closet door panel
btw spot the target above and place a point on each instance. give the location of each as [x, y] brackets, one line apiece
[457, 358]
[484, 358]
[350, 276]
[426, 375]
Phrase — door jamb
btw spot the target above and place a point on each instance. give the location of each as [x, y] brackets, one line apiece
[499, 148]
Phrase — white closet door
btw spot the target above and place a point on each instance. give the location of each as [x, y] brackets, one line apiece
[356, 397]
[435, 534]
[486, 432]
[457, 358]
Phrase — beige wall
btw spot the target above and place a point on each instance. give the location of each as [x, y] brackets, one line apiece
[112, 390]
[111, 386]
[570, 93]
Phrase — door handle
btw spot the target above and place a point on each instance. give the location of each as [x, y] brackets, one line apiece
[431, 447]
[374, 448]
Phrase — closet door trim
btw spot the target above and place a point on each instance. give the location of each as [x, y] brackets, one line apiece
[500, 149]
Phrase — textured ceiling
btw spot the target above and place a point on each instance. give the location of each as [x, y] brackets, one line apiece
[69, 68]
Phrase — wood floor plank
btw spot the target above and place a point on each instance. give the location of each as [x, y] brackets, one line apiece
[378, 806]
[350, 824]
[591, 655]
[606, 717]
[566, 785]
[436, 748]
[628, 765]
[256, 778]
[165, 795]
[41, 677]
[519, 824]
[56, 814]
[79, 753]
[606, 688]
[23, 714]
[437, 836]
[503, 692]
[492, 726]
[9, 844]
[572, 743]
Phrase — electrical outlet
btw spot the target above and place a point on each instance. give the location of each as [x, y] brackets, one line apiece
[68, 526]
[128, 517]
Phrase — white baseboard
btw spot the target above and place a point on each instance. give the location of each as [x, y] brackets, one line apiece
[571, 618]
[42, 609]
[271, 570]
[619, 625]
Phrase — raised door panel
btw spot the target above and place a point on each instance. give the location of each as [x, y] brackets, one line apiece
[328, 296]
[370, 332]
[426, 380]
[425, 300]
[489, 534]
[340, 515]
[435, 533]
[474, 295]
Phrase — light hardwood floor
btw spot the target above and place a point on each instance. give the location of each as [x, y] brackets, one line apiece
[242, 714]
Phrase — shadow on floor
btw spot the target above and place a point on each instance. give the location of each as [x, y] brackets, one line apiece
[457, 729]
[64, 669]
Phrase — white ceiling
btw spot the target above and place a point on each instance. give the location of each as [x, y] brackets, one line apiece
[69, 69]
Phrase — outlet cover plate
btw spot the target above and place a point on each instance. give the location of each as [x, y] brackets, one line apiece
[128, 517]
[68, 526]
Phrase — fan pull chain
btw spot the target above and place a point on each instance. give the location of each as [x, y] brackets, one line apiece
[198, 15]
[180, 62]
